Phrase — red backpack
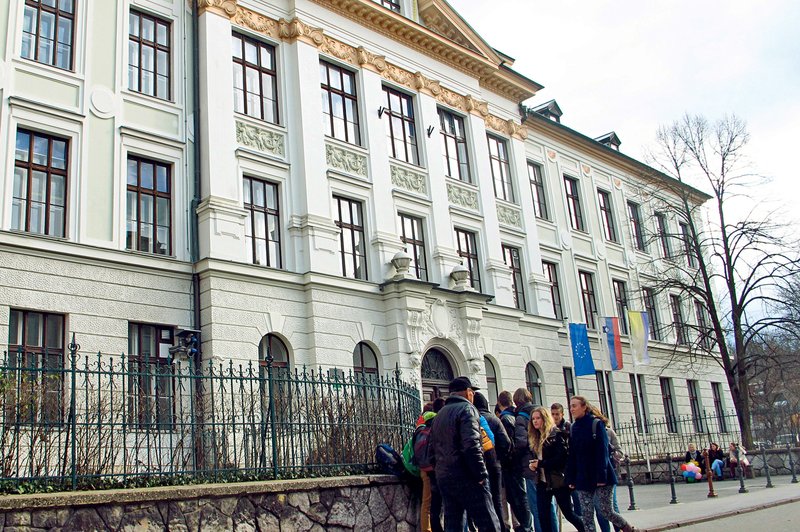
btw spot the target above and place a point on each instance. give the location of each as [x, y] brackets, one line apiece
[423, 453]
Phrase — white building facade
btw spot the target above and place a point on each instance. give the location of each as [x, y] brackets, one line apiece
[336, 183]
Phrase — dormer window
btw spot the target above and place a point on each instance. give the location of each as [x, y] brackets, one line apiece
[549, 110]
[610, 139]
[394, 5]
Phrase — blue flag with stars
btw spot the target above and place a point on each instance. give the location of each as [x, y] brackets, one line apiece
[581, 354]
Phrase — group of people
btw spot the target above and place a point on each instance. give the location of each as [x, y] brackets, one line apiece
[718, 459]
[523, 456]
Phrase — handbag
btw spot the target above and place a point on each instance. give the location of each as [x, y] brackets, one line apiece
[555, 480]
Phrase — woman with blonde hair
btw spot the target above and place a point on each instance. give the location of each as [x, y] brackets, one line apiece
[549, 447]
[589, 469]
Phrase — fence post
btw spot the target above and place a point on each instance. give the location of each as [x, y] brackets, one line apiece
[73, 356]
[674, 499]
[791, 463]
[630, 483]
[766, 466]
[272, 428]
[740, 471]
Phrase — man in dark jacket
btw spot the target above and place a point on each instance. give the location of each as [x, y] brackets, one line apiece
[461, 473]
[512, 476]
[502, 449]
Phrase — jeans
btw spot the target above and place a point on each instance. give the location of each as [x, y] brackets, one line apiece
[518, 500]
[545, 497]
[530, 486]
[717, 467]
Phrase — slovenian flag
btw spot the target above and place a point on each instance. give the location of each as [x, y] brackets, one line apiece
[611, 329]
[639, 333]
[581, 354]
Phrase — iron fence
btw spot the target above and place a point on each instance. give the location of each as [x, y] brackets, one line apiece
[116, 420]
[672, 435]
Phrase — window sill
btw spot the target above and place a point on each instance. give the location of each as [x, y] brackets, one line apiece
[150, 101]
[49, 71]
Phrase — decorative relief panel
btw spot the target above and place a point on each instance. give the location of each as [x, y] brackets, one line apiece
[260, 139]
[509, 216]
[346, 160]
[408, 180]
[462, 196]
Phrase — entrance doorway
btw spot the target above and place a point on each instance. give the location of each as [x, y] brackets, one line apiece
[437, 372]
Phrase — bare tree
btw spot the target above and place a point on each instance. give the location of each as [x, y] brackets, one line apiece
[734, 262]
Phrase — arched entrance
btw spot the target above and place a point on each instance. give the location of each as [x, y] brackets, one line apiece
[437, 372]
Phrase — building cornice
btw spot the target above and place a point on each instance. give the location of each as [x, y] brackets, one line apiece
[297, 30]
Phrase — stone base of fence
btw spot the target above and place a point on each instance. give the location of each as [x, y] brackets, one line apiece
[371, 502]
[778, 460]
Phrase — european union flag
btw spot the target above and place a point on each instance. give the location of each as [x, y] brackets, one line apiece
[581, 354]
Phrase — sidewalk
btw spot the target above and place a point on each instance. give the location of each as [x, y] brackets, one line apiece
[654, 512]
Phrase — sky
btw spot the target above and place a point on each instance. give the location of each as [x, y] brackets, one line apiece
[632, 65]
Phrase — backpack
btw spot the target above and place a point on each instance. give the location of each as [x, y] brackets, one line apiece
[487, 436]
[408, 457]
[423, 453]
[389, 461]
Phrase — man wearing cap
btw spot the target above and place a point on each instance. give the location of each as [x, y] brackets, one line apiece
[460, 470]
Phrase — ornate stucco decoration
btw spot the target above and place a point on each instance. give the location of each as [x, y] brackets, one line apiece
[586, 169]
[260, 139]
[346, 160]
[437, 23]
[441, 321]
[297, 30]
[408, 180]
[473, 344]
[509, 216]
[552, 155]
[462, 196]
[221, 7]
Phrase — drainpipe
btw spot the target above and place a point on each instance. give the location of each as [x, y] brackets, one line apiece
[195, 244]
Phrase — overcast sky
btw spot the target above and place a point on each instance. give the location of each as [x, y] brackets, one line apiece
[632, 65]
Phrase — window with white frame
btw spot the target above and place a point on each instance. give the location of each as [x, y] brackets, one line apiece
[500, 167]
[48, 32]
[39, 194]
[149, 55]
[255, 87]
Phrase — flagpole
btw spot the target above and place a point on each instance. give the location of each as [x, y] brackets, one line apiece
[641, 411]
[574, 373]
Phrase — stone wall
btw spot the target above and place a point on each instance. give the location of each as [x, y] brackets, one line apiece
[326, 504]
[778, 460]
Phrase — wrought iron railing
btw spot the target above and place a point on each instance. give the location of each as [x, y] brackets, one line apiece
[113, 420]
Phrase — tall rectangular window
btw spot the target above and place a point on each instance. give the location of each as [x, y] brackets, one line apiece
[352, 245]
[537, 190]
[621, 304]
[694, 404]
[501, 170]
[149, 53]
[150, 383]
[551, 273]
[605, 390]
[704, 331]
[413, 237]
[686, 239]
[678, 323]
[512, 260]
[39, 196]
[652, 313]
[669, 404]
[588, 298]
[339, 103]
[574, 203]
[719, 406]
[569, 387]
[607, 215]
[639, 402]
[454, 146]
[468, 251]
[255, 85]
[263, 226]
[149, 211]
[48, 29]
[637, 232]
[36, 348]
[663, 235]
[401, 130]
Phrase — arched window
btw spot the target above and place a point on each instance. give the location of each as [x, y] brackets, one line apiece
[272, 345]
[365, 361]
[534, 383]
[436, 373]
[491, 381]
